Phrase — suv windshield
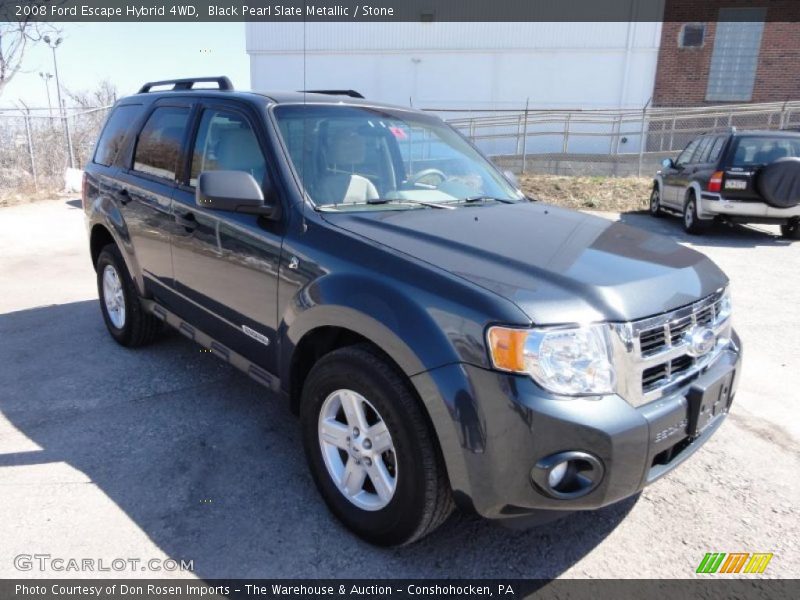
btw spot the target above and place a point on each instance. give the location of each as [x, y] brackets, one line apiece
[357, 158]
[751, 151]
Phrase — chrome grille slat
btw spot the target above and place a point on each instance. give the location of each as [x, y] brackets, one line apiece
[654, 352]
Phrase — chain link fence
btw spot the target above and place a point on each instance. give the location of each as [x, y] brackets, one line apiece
[608, 142]
[37, 146]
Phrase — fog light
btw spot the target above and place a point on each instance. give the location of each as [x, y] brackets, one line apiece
[557, 474]
[567, 475]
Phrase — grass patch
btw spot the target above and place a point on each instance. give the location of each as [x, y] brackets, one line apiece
[616, 194]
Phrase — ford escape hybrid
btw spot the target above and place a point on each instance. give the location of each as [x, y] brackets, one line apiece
[444, 340]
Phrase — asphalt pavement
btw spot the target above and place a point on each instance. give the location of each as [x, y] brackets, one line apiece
[166, 453]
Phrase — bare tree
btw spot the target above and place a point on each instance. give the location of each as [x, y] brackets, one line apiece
[15, 38]
[103, 94]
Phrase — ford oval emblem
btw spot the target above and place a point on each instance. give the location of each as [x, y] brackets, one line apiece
[701, 340]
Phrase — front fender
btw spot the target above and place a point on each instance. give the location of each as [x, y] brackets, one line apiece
[410, 331]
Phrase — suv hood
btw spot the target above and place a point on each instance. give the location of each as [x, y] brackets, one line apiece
[557, 265]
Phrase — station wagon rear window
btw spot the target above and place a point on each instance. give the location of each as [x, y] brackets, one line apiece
[752, 151]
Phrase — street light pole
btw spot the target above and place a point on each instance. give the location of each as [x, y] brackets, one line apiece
[46, 77]
[61, 111]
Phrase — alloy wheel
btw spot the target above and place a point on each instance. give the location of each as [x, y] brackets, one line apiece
[357, 449]
[113, 297]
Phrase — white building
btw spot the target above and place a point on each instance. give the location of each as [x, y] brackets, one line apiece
[462, 65]
[440, 65]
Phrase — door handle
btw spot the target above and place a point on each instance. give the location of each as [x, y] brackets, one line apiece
[187, 221]
[124, 196]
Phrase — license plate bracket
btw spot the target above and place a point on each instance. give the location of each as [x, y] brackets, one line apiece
[708, 399]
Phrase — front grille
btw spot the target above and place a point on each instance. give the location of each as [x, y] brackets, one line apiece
[655, 351]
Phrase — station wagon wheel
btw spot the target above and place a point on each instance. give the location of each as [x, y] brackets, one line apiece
[655, 202]
[126, 319]
[371, 449]
[791, 230]
[692, 224]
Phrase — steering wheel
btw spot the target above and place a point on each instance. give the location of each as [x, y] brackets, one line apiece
[426, 173]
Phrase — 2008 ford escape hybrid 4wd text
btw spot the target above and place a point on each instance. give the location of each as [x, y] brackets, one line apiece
[444, 340]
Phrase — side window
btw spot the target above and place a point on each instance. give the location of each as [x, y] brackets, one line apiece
[702, 150]
[110, 142]
[685, 156]
[226, 142]
[160, 142]
[716, 149]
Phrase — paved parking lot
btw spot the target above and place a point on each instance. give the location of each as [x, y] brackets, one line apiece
[165, 452]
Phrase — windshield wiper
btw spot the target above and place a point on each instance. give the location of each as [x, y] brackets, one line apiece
[483, 198]
[373, 201]
[406, 201]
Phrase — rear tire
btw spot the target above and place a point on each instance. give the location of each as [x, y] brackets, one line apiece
[655, 203]
[126, 320]
[411, 495]
[691, 222]
[791, 230]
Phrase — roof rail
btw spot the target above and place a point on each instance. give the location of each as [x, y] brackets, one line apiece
[187, 84]
[351, 93]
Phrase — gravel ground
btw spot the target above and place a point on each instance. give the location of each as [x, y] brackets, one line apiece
[165, 452]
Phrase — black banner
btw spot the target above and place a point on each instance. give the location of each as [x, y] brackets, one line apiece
[339, 589]
[393, 10]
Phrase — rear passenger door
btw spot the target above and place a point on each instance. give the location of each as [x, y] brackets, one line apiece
[226, 263]
[706, 159]
[145, 188]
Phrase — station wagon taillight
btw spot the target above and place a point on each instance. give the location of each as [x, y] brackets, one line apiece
[715, 183]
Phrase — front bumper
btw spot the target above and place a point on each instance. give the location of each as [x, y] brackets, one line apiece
[494, 427]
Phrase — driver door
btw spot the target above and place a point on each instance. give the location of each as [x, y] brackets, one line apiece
[226, 263]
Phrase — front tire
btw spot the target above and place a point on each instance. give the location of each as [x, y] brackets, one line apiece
[126, 320]
[791, 230]
[692, 224]
[371, 450]
[655, 203]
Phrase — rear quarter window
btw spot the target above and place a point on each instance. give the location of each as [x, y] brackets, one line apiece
[120, 121]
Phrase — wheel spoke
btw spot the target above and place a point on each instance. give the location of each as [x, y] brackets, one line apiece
[353, 410]
[381, 480]
[335, 433]
[353, 478]
[380, 437]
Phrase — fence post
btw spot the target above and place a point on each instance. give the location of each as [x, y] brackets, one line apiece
[525, 136]
[641, 138]
[30, 147]
[70, 151]
[566, 134]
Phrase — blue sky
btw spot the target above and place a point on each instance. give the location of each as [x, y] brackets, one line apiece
[128, 54]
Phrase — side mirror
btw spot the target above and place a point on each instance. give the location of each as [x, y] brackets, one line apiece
[234, 191]
[668, 163]
[512, 179]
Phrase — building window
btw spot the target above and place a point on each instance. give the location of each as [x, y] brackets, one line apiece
[735, 58]
[692, 35]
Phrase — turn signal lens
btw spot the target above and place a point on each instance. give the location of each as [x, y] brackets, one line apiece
[715, 183]
[508, 348]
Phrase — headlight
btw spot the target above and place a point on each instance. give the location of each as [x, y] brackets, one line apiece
[570, 361]
[725, 306]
